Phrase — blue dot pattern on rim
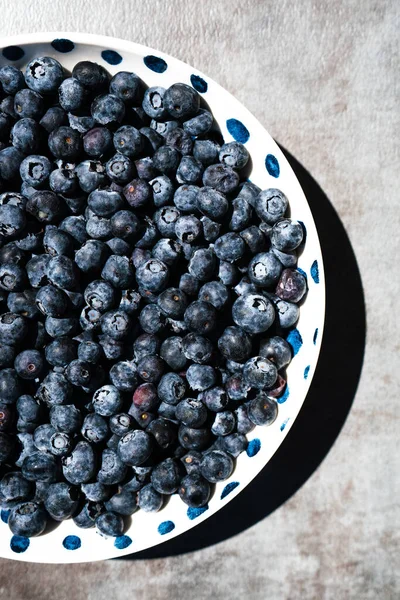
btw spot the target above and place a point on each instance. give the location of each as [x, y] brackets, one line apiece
[284, 396]
[165, 527]
[13, 52]
[315, 271]
[199, 84]
[111, 57]
[72, 542]
[122, 542]
[272, 165]
[315, 336]
[303, 273]
[295, 340]
[63, 45]
[155, 63]
[19, 544]
[229, 488]
[253, 447]
[4, 515]
[306, 371]
[285, 422]
[193, 513]
[237, 130]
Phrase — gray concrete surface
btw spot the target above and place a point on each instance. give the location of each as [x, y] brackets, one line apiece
[323, 77]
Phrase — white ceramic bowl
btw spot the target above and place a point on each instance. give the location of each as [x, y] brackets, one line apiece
[67, 543]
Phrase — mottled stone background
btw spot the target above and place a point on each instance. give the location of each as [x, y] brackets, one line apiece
[323, 77]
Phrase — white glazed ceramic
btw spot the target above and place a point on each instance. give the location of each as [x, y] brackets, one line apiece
[67, 543]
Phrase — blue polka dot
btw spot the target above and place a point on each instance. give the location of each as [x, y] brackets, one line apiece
[315, 336]
[284, 396]
[315, 271]
[72, 542]
[4, 515]
[253, 447]
[272, 165]
[302, 272]
[166, 527]
[193, 513]
[229, 488]
[13, 53]
[306, 371]
[237, 130]
[112, 57]
[19, 543]
[155, 63]
[295, 340]
[282, 427]
[199, 84]
[63, 45]
[122, 542]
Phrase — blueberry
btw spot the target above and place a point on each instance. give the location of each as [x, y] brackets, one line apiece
[79, 373]
[10, 386]
[92, 256]
[12, 277]
[65, 143]
[107, 108]
[28, 519]
[229, 247]
[149, 499]
[206, 152]
[197, 348]
[167, 251]
[194, 490]
[260, 373]
[151, 319]
[100, 295]
[262, 410]
[201, 317]
[277, 350]
[291, 286]
[105, 202]
[164, 432]
[123, 376]
[171, 388]
[128, 141]
[118, 272]
[135, 447]
[61, 501]
[153, 102]
[224, 423]
[44, 75]
[10, 160]
[120, 169]
[40, 466]
[54, 389]
[234, 154]
[122, 503]
[191, 461]
[125, 225]
[253, 312]
[112, 470]
[116, 324]
[162, 128]
[88, 514]
[28, 104]
[60, 443]
[235, 344]
[28, 408]
[7, 355]
[79, 466]
[287, 235]
[7, 107]
[89, 351]
[201, 377]
[130, 301]
[26, 136]
[107, 401]
[215, 399]
[7, 444]
[13, 487]
[94, 428]
[121, 423]
[150, 368]
[12, 223]
[11, 79]
[287, 313]
[127, 86]
[236, 387]
[211, 229]
[189, 170]
[57, 242]
[202, 264]
[98, 228]
[76, 227]
[153, 275]
[254, 239]
[96, 492]
[72, 94]
[91, 175]
[200, 124]
[216, 466]
[145, 397]
[234, 444]
[242, 214]
[93, 76]
[189, 284]
[181, 101]
[13, 328]
[194, 439]
[221, 177]
[271, 205]
[151, 140]
[172, 353]
[191, 412]
[165, 477]
[185, 198]
[65, 418]
[264, 269]
[110, 523]
[97, 142]
[212, 203]
[29, 364]
[166, 159]
[53, 118]
[215, 293]
[163, 190]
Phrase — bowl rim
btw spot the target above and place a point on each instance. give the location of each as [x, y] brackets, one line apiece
[114, 43]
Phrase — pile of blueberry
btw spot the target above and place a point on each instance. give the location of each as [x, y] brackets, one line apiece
[145, 290]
